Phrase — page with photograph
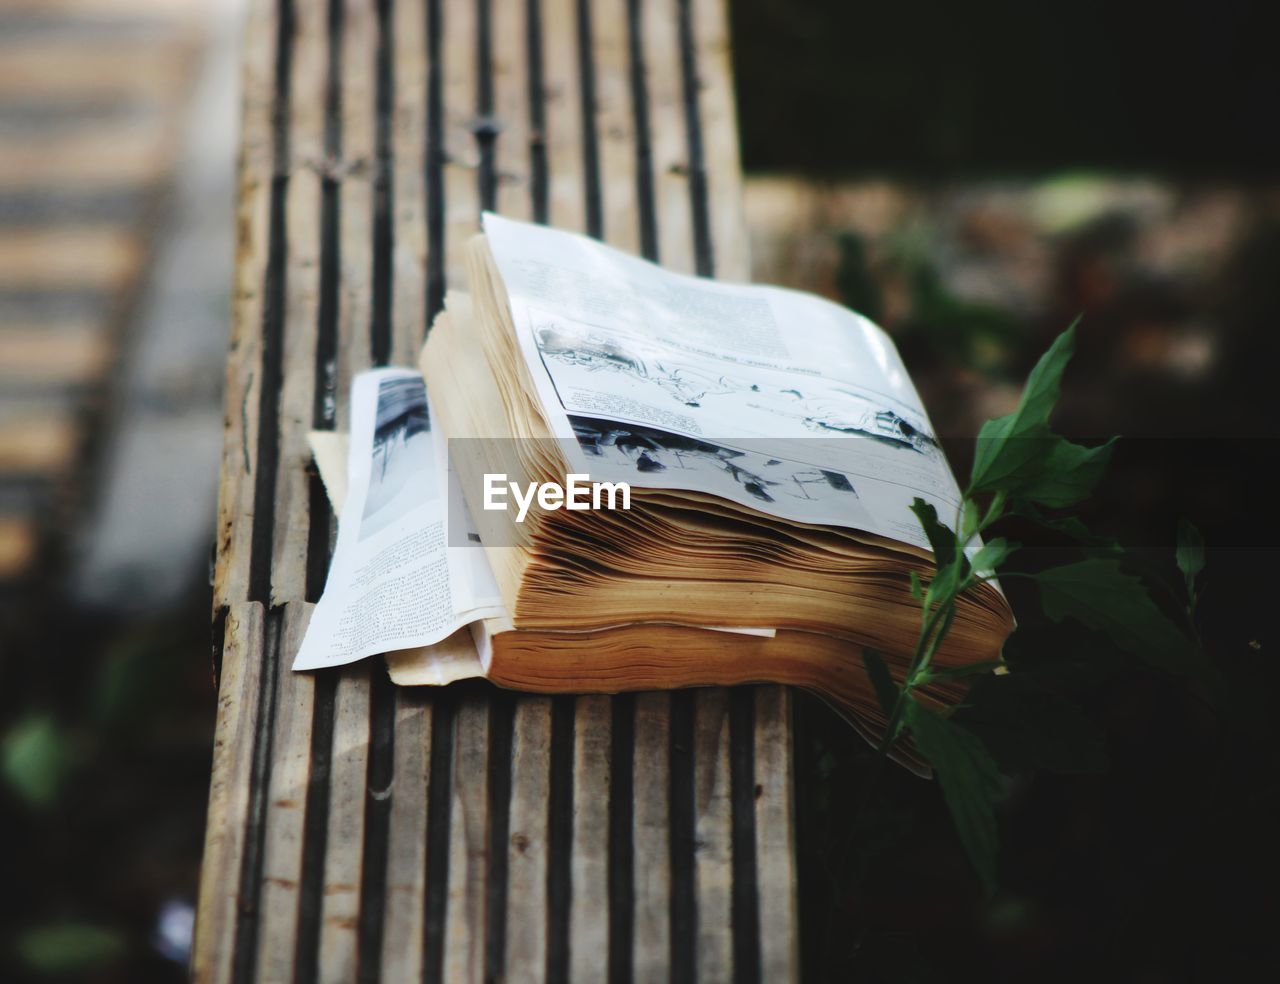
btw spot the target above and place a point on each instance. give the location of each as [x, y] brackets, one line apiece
[394, 583]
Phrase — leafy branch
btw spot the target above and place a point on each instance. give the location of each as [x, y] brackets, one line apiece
[1022, 468]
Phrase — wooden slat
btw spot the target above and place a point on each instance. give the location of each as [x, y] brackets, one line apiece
[402, 941]
[292, 526]
[355, 300]
[775, 836]
[244, 371]
[652, 838]
[469, 844]
[615, 125]
[229, 792]
[713, 835]
[59, 354]
[37, 443]
[720, 142]
[713, 829]
[562, 99]
[462, 157]
[340, 905]
[526, 922]
[68, 258]
[409, 299]
[589, 904]
[101, 156]
[52, 69]
[290, 773]
[510, 63]
[161, 11]
[661, 38]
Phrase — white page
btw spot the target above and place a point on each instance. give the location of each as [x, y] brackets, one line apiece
[775, 399]
[399, 521]
[394, 583]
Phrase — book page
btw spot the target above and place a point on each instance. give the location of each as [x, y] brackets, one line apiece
[771, 398]
[394, 583]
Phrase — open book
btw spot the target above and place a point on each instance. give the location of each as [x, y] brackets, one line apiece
[626, 478]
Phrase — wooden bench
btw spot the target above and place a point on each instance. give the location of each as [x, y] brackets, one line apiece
[361, 831]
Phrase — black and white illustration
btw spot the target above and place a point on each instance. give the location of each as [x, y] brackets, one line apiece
[639, 455]
[402, 460]
[697, 394]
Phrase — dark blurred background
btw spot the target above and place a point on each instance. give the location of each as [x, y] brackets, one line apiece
[973, 176]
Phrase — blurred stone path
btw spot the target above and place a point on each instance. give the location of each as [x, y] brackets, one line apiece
[116, 136]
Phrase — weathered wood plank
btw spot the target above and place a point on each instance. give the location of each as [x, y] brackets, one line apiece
[589, 903]
[510, 67]
[469, 845]
[652, 838]
[526, 922]
[108, 70]
[57, 354]
[68, 258]
[661, 39]
[104, 156]
[343, 871]
[615, 127]
[355, 173]
[244, 372]
[713, 835]
[528, 841]
[720, 141]
[563, 109]
[291, 525]
[402, 940]
[290, 773]
[213, 950]
[409, 298]
[775, 836]
[37, 442]
[462, 156]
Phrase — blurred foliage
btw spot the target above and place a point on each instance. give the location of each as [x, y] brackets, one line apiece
[36, 758]
[949, 328]
[64, 949]
[104, 766]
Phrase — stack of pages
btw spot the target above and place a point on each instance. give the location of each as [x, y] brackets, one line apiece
[616, 477]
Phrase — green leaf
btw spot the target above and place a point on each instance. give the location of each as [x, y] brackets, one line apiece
[992, 555]
[35, 759]
[1006, 445]
[941, 539]
[1069, 473]
[1020, 456]
[952, 565]
[970, 781]
[958, 672]
[69, 948]
[917, 588]
[1190, 553]
[1099, 594]
[1069, 526]
[881, 681]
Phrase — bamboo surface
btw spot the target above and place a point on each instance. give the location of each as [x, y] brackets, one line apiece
[360, 831]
